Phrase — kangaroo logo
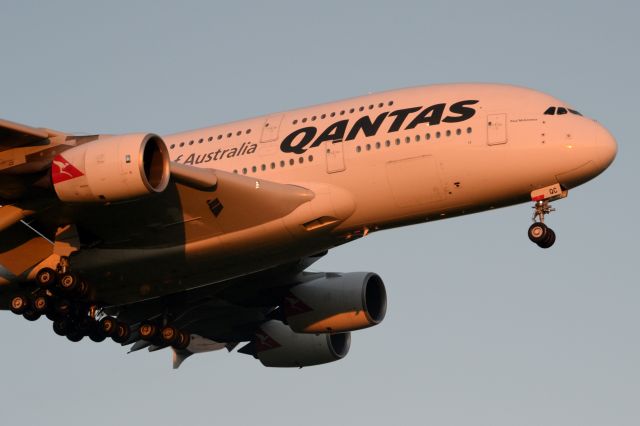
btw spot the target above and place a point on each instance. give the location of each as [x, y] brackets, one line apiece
[62, 170]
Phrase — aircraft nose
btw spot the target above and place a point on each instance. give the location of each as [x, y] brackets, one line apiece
[606, 147]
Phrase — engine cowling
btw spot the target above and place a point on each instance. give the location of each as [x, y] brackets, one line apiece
[112, 169]
[336, 303]
[276, 345]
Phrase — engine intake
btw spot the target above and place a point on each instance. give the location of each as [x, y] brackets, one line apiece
[114, 168]
[336, 303]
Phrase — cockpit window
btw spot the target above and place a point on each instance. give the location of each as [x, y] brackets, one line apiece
[560, 111]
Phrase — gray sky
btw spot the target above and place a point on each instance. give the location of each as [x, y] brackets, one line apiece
[483, 327]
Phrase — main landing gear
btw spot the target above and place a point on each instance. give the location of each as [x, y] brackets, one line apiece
[539, 233]
[61, 296]
[167, 335]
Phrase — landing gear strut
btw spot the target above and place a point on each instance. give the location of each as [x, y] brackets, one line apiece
[540, 233]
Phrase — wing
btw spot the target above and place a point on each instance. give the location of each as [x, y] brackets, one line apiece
[13, 135]
[18, 141]
[215, 317]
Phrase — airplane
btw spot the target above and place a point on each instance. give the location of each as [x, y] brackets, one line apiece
[200, 241]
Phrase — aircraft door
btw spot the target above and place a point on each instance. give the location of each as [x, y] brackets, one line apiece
[496, 129]
[271, 128]
[335, 156]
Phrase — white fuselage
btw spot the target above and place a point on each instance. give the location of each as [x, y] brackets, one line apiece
[413, 168]
[341, 170]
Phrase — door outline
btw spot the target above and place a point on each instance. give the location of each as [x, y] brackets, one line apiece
[497, 129]
[334, 153]
[271, 128]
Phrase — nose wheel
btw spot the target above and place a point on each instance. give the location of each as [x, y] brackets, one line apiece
[542, 235]
[539, 233]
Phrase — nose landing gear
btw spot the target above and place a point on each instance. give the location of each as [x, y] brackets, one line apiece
[542, 235]
[539, 233]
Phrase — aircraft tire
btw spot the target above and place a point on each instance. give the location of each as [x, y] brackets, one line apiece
[549, 239]
[148, 331]
[68, 283]
[537, 232]
[96, 335]
[169, 335]
[41, 304]
[46, 277]
[108, 326]
[19, 304]
[182, 341]
[122, 333]
[31, 315]
[62, 307]
[75, 335]
[61, 327]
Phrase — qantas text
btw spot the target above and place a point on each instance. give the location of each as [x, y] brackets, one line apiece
[304, 138]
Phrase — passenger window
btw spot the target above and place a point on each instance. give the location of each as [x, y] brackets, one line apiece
[562, 110]
[550, 111]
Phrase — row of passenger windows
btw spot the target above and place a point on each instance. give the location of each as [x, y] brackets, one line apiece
[291, 162]
[209, 139]
[343, 112]
[560, 111]
[407, 139]
[273, 165]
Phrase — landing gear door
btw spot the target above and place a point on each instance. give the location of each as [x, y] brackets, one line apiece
[496, 129]
[335, 156]
[271, 128]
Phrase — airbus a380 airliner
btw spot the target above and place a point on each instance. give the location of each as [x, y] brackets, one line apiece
[199, 241]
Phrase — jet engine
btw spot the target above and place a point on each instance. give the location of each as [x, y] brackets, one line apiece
[276, 345]
[112, 169]
[336, 303]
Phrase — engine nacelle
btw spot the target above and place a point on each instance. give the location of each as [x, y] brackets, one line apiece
[276, 345]
[336, 303]
[112, 169]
